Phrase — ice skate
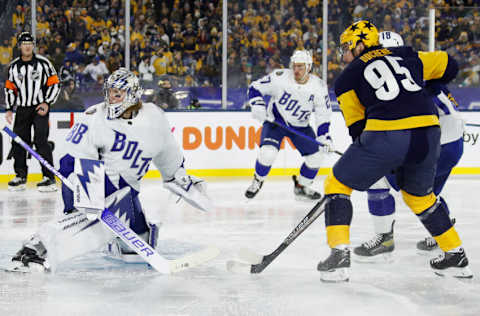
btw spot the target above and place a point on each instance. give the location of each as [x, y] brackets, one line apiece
[118, 250]
[47, 185]
[452, 263]
[31, 258]
[17, 184]
[429, 243]
[377, 249]
[336, 267]
[254, 187]
[304, 193]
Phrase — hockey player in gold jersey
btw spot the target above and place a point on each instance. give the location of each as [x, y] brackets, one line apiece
[394, 126]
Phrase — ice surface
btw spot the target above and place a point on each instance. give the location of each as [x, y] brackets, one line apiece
[291, 285]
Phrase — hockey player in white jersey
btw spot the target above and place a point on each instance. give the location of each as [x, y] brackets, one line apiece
[294, 94]
[127, 135]
[381, 203]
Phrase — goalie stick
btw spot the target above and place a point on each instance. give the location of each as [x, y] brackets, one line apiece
[258, 263]
[302, 135]
[113, 223]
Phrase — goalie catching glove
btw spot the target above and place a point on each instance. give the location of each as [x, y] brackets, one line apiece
[190, 188]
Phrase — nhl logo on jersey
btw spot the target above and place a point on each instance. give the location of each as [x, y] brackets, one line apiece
[35, 75]
[20, 77]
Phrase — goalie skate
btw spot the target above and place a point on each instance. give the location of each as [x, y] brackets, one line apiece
[115, 251]
[27, 260]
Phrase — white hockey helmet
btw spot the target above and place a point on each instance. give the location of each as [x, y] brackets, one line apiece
[122, 79]
[390, 39]
[302, 57]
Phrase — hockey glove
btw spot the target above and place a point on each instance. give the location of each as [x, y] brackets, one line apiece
[191, 189]
[327, 143]
[259, 109]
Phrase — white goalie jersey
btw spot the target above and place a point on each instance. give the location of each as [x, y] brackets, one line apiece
[292, 101]
[127, 146]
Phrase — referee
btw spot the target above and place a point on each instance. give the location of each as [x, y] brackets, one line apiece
[32, 86]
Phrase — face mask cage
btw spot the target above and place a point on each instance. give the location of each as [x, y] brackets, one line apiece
[126, 81]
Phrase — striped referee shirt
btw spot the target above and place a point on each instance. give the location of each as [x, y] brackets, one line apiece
[31, 83]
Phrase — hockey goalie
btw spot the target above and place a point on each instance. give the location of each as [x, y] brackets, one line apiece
[109, 151]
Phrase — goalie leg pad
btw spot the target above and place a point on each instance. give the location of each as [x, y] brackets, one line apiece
[130, 211]
[74, 234]
[138, 222]
[118, 250]
[70, 236]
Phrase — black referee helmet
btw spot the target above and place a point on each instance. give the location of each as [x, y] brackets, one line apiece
[25, 37]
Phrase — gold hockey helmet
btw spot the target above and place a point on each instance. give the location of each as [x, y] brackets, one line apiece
[363, 31]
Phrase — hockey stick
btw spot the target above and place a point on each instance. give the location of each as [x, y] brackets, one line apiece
[291, 130]
[113, 223]
[259, 262]
[474, 125]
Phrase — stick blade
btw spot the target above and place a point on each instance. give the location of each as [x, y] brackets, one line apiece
[247, 255]
[194, 259]
[238, 267]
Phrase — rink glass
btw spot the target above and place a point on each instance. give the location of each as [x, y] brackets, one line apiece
[188, 64]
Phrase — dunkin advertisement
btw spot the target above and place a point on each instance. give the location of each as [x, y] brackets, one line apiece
[226, 143]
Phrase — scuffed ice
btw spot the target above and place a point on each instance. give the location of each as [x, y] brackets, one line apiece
[93, 285]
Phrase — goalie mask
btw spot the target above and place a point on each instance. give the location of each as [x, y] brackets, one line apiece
[390, 39]
[302, 57]
[129, 85]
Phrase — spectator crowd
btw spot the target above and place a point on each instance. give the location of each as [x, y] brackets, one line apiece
[182, 40]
